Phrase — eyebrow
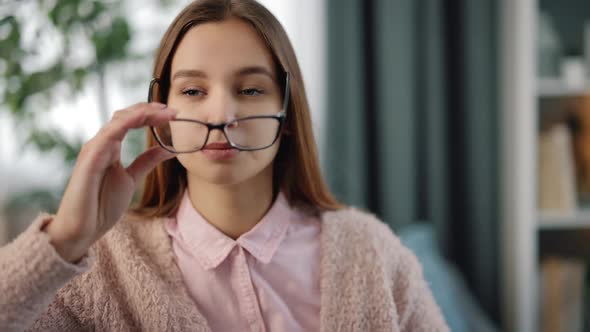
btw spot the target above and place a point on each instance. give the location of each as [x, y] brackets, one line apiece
[255, 70]
[252, 70]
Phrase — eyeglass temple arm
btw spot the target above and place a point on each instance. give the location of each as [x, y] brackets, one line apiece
[286, 99]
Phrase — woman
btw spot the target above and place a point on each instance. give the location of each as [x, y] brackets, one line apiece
[235, 229]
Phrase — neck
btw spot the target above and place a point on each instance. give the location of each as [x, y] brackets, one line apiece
[233, 209]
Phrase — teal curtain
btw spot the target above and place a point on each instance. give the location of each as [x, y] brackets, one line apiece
[411, 129]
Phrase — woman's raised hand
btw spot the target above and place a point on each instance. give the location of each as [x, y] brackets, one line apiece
[100, 188]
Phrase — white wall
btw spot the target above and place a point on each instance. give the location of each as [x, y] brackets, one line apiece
[304, 21]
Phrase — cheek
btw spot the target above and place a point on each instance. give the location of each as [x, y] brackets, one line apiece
[268, 154]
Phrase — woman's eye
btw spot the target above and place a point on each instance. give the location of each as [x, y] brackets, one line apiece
[192, 92]
[251, 92]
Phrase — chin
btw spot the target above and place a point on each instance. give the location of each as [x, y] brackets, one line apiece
[220, 174]
[223, 177]
[226, 173]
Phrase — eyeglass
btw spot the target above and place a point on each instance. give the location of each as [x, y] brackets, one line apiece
[249, 133]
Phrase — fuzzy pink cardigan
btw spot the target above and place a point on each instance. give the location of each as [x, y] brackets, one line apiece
[130, 282]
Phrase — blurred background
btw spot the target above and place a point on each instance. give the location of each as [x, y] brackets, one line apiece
[464, 125]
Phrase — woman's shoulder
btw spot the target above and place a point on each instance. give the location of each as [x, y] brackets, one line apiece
[130, 244]
[134, 237]
[363, 251]
[127, 264]
[359, 226]
[133, 249]
[132, 226]
[357, 237]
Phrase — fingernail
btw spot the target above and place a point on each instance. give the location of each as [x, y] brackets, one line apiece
[159, 105]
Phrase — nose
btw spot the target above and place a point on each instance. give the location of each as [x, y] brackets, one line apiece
[222, 107]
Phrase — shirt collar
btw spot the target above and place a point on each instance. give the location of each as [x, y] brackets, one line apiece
[211, 247]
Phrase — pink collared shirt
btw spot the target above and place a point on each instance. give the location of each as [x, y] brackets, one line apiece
[266, 280]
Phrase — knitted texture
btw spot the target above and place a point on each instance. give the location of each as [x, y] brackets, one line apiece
[130, 282]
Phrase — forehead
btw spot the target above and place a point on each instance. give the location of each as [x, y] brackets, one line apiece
[220, 48]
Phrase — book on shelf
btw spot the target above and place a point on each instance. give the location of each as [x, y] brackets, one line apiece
[564, 294]
[564, 156]
[557, 175]
[581, 116]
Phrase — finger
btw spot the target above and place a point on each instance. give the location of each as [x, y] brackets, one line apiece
[142, 105]
[119, 126]
[128, 114]
[147, 161]
[134, 109]
[110, 136]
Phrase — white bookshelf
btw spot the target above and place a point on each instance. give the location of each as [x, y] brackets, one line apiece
[564, 221]
[518, 164]
[555, 87]
[523, 224]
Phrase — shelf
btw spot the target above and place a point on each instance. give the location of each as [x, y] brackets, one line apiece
[554, 87]
[563, 221]
[567, 243]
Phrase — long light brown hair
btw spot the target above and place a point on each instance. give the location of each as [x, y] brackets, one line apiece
[296, 168]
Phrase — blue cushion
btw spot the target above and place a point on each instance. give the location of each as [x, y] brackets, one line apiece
[449, 289]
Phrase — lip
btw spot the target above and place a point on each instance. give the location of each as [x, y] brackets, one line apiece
[217, 146]
[219, 151]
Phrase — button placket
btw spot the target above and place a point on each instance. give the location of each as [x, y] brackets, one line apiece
[250, 305]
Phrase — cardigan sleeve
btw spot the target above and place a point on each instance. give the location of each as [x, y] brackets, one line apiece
[58, 317]
[415, 303]
[31, 274]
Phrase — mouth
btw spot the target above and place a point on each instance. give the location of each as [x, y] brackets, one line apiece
[219, 151]
[217, 146]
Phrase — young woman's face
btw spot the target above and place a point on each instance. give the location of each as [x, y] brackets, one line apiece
[223, 71]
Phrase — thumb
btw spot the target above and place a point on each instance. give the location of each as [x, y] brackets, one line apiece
[147, 161]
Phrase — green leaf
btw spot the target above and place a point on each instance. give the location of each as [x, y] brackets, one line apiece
[64, 14]
[42, 199]
[104, 25]
[53, 140]
[111, 43]
[9, 46]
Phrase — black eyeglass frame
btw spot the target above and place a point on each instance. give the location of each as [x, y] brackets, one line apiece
[280, 117]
